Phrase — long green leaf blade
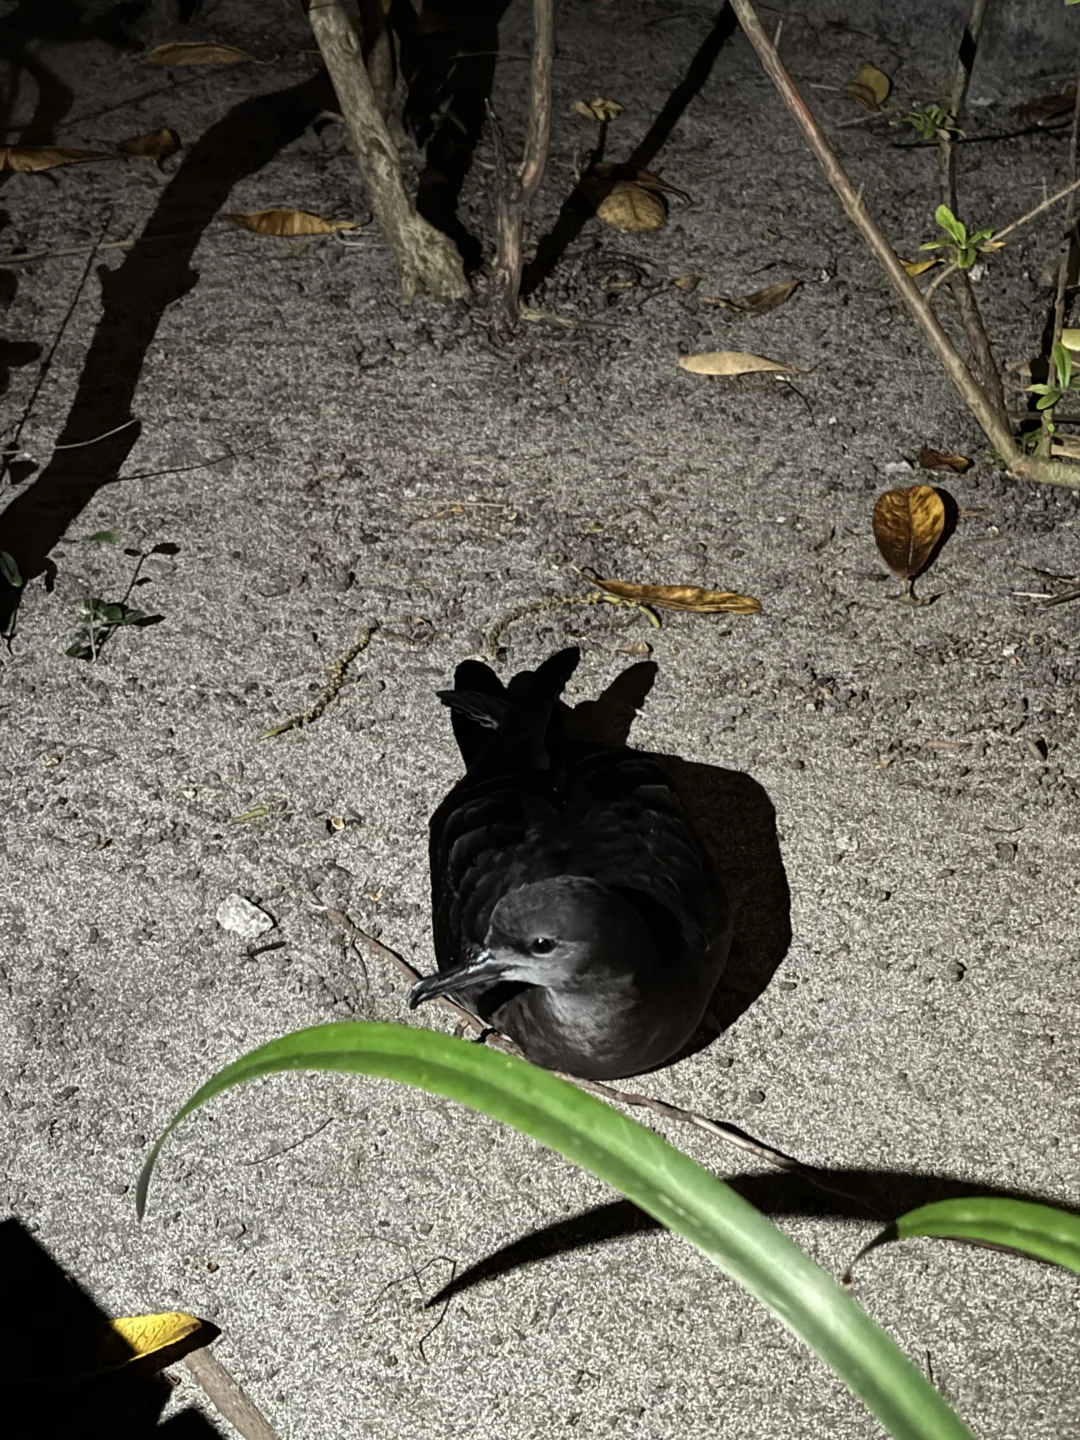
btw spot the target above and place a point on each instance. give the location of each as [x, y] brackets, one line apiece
[641, 1165]
[1041, 1231]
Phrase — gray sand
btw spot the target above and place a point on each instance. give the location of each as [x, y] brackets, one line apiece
[324, 458]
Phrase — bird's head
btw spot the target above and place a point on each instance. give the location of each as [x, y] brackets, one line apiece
[551, 933]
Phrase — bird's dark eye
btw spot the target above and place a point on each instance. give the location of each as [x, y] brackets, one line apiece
[542, 945]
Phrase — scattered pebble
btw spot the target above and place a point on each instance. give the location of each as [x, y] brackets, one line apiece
[240, 917]
[1005, 850]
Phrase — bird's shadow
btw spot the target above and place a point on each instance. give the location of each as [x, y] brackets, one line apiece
[737, 822]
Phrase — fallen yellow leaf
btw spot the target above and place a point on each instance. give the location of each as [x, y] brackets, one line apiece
[731, 362]
[197, 52]
[919, 267]
[150, 1341]
[30, 159]
[870, 87]
[287, 223]
[681, 597]
[907, 527]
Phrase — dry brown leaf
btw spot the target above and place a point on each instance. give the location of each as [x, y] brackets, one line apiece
[1067, 447]
[760, 302]
[1045, 108]
[915, 268]
[870, 87]
[197, 52]
[638, 648]
[907, 527]
[731, 362]
[681, 597]
[629, 207]
[686, 283]
[30, 159]
[943, 460]
[599, 109]
[156, 145]
[287, 223]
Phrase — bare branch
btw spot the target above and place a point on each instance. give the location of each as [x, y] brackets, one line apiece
[426, 258]
[994, 426]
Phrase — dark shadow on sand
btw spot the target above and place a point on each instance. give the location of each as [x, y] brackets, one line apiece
[55, 1345]
[156, 273]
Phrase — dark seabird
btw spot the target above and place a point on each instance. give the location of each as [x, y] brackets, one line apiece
[575, 908]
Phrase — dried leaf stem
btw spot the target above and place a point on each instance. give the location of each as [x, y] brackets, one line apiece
[337, 679]
[426, 258]
[732, 1134]
[516, 188]
[993, 426]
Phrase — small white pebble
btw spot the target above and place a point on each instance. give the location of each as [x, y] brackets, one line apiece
[240, 917]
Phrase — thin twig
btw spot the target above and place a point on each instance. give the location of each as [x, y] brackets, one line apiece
[337, 679]
[997, 431]
[732, 1134]
[1046, 204]
[226, 1395]
[23, 257]
[78, 444]
[1062, 275]
[960, 281]
[553, 602]
[46, 364]
[515, 190]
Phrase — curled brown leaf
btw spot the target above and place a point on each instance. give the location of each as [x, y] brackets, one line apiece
[155, 145]
[30, 159]
[682, 597]
[731, 362]
[287, 223]
[196, 52]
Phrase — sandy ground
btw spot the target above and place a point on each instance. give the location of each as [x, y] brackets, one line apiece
[323, 458]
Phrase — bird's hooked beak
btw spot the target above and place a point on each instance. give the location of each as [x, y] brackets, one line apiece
[484, 965]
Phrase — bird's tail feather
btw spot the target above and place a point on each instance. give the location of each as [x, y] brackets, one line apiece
[479, 702]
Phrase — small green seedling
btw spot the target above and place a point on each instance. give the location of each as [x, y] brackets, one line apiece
[1049, 395]
[932, 121]
[102, 618]
[966, 248]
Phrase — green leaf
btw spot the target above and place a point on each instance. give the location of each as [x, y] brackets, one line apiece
[1048, 401]
[1063, 361]
[131, 616]
[932, 245]
[80, 651]
[641, 1165]
[1040, 1231]
[103, 537]
[112, 614]
[9, 570]
[951, 225]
